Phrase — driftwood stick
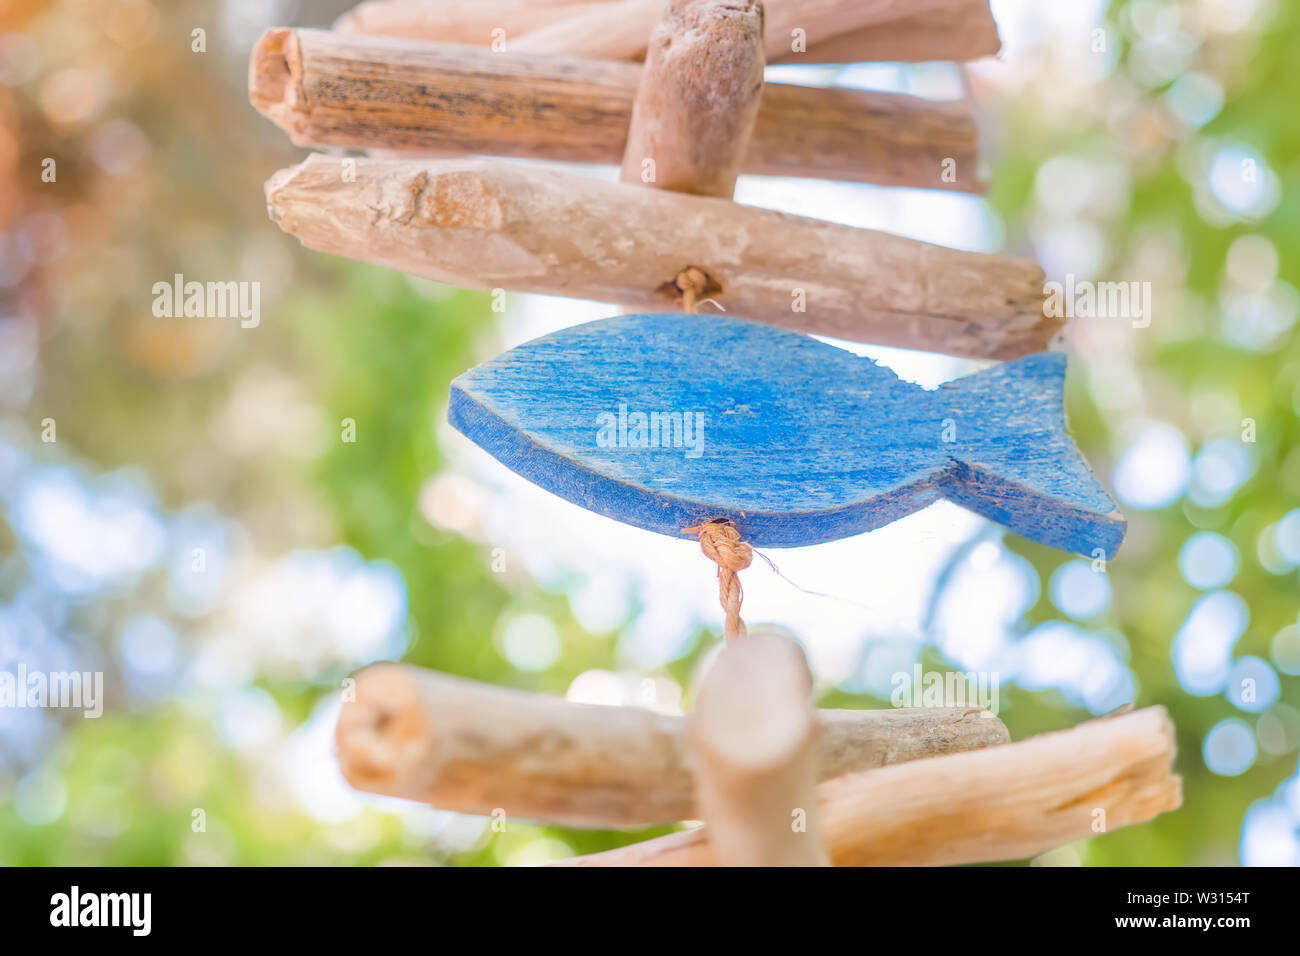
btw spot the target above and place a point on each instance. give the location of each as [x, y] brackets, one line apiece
[613, 31]
[362, 92]
[487, 224]
[1004, 803]
[754, 739]
[618, 31]
[458, 21]
[474, 747]
[698, 98]
[960, 30]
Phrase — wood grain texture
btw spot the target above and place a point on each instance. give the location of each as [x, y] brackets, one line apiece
[753, 738]
[796, 441]
[474, 747]
[698, 98]
[487, 224]
[1005, 803]
[959, 30]
[331, 89]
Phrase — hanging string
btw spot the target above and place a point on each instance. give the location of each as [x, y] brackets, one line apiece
[721, 544]
[719, 539]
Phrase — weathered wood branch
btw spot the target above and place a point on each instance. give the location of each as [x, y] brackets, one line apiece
[362, 92]
[826, 30]
[474, 747]
[604, 31]
[458, 21]
[753, 736]
[1004, 803]
[487, 224]
[959, 30]
[698, 98]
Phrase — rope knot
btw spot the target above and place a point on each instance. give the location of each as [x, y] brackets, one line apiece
[693, 284]
[721, 544]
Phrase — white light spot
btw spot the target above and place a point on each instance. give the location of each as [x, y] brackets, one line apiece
[1202, 648]
[1079, 591]
[530, 642]
[1207, 560]
[1152, 472]
[1229, 748]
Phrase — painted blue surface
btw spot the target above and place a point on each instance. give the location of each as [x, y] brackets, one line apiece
[801, 442]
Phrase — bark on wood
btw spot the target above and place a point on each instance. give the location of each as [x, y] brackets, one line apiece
[1005, 803]
[487, 224]
[362, 92]
[753, 735]
[960, 30]
[473, 747]
[698, 97]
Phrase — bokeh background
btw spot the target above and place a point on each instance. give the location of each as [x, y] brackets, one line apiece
[200, 533]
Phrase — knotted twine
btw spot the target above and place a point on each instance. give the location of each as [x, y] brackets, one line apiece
[692, 282]
[721, 544]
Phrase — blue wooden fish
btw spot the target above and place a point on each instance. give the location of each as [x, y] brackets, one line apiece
[667, 421]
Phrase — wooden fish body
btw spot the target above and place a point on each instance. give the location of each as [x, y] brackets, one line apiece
[667, 421]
